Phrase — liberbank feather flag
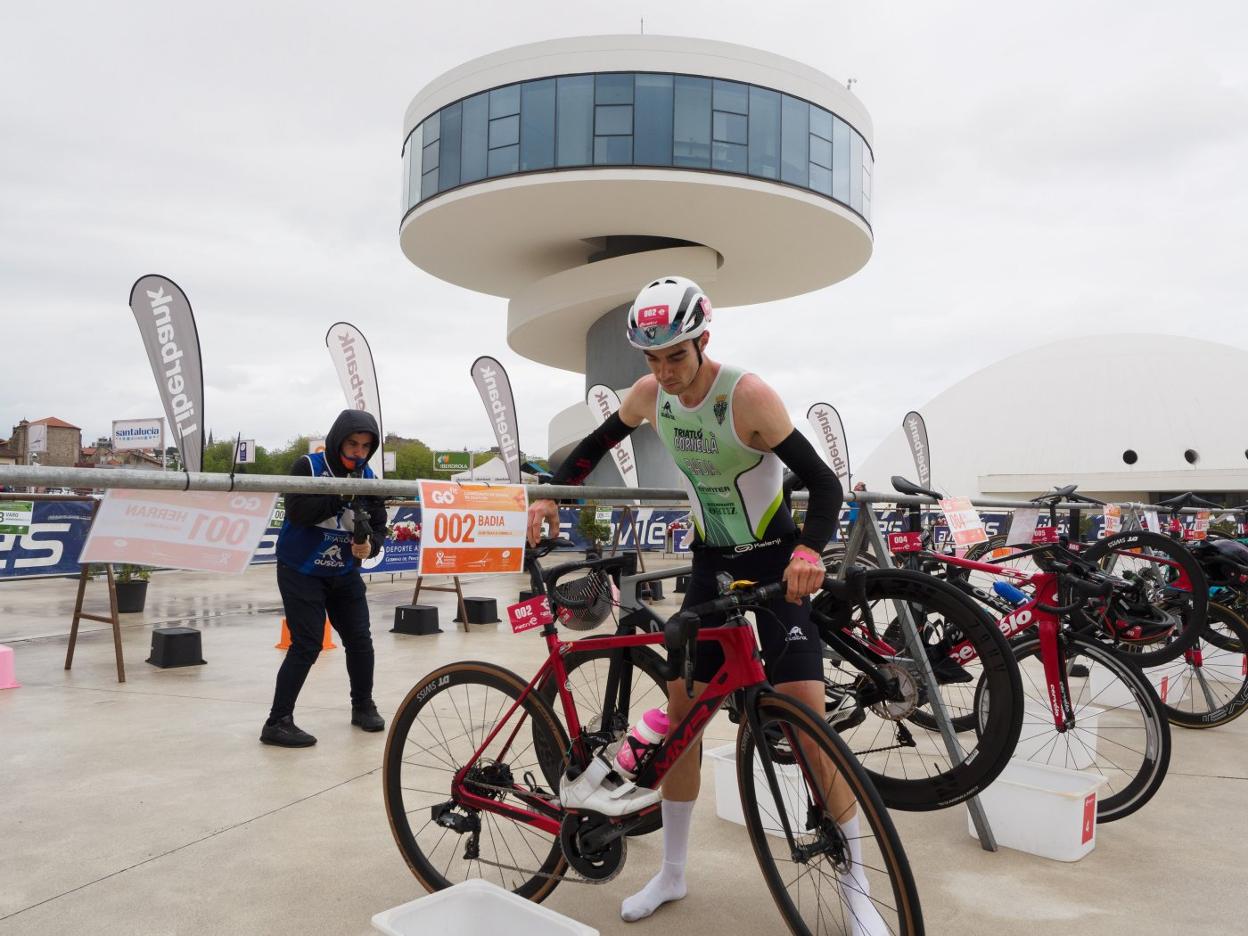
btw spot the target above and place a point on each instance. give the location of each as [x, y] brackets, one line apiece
[353, 359]
[915, 430]
[602, 402]
[495, 390]
[826, 422]
[167, 325]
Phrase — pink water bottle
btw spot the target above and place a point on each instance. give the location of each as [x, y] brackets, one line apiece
[644, 736]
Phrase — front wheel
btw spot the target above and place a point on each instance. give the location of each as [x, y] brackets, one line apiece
[826, 845]
[1120, 731]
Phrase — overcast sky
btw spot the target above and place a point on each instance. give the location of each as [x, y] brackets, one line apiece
[1043, 171]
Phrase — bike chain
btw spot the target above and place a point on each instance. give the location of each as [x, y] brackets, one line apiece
[569, 875]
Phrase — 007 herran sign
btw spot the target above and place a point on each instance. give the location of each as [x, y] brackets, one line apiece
[208, 531]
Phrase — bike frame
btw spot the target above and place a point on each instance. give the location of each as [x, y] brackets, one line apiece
[742, 669]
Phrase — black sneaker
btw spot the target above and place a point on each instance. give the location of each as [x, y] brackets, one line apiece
[285, 733]
[365, 715]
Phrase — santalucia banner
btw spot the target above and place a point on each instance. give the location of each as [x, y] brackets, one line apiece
[500, 406]
[353, 359]
[826, 422]
[167, 325]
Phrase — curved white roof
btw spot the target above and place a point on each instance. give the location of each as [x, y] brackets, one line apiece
[1067, 412]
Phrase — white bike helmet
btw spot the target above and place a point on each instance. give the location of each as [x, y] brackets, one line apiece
[667, 311]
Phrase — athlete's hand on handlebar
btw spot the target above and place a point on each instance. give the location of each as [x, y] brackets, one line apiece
[804, 575]
[542, 511]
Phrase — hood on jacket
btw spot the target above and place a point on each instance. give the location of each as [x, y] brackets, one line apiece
[348, 421]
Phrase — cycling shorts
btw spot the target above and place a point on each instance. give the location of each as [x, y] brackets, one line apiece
[792, 649]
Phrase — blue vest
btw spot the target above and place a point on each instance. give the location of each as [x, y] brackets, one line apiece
[324, 549]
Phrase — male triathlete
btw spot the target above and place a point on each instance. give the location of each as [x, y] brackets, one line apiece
[730, 436]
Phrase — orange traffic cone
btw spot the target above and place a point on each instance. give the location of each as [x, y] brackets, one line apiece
[326, 644]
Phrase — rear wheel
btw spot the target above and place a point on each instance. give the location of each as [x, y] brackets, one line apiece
[1208, 685]
[1163, 611]
[841, 868]
[439, 728]
[898, 739]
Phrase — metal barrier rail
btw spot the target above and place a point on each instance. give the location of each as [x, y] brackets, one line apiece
[104, 478]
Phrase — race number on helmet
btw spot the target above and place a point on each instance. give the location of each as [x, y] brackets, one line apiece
[667, 311]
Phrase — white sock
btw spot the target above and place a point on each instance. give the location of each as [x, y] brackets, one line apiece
[669, 883]
[864, 918]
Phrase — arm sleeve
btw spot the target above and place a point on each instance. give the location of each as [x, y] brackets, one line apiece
[310, 509]
[589, 451]
[826, 495]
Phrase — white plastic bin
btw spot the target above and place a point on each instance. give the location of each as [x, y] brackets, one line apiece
[728, 795]
[1042, 810]
[476, 908]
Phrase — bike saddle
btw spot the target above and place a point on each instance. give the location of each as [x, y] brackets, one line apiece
[1187, 500]
[902, 486]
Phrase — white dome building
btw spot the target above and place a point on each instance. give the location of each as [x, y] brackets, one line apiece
[1126, 417]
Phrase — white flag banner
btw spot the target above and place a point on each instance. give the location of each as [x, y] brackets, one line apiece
[167, 325]
[829, 429]
[602, 402]
[353, 359]
[916, 436]
[491, 382]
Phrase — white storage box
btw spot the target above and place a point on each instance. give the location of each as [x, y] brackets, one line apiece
[476, 908]
[1042, 810]
[728, 795]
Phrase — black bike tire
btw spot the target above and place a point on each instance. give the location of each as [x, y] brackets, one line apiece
[869, 803]
[536, 888]
[1194, 622]
[1238, 703]
[1149, 780]
[995, 742]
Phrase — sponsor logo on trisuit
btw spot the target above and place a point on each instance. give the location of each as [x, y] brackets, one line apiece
[666, 412]
[795, 633]
[721, 408]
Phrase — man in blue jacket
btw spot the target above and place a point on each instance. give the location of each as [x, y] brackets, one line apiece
[318, 575]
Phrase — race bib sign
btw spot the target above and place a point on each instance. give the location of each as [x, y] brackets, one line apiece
[965, 526]
[1200, 526]
[905, 542]
[1023, 526]
[530, 614]
[1113, 520]
[1044, 536]
[15, 516]
[206, 531]
[1151, 523]
[472, 529]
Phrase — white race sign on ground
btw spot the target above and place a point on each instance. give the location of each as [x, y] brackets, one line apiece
[470, 529]
[965, 526]
[208, 531]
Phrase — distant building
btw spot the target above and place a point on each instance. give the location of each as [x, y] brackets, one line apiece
[49, 441]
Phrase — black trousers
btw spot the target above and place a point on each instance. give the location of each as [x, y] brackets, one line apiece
[307, 599]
